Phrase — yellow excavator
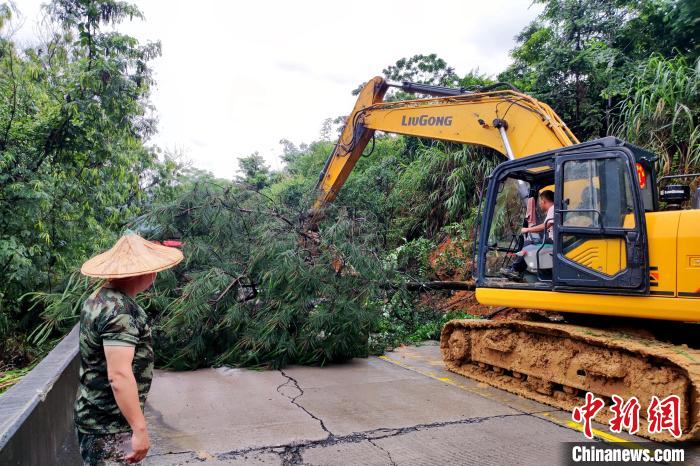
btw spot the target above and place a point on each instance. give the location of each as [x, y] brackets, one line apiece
[619, 277]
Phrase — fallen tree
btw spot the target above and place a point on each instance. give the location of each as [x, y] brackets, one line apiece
[250, 293]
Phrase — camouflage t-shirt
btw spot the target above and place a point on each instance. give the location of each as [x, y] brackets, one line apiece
[110, 317]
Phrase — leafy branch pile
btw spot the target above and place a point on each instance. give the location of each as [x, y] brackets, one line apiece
[251, 292]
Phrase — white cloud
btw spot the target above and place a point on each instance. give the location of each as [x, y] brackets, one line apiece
[236, 77]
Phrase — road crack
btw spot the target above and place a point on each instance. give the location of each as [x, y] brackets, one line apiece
[293, 400]
[291, 454]
[391, 460]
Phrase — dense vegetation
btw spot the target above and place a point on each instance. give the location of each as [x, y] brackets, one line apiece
[76, 170]
[74, 164]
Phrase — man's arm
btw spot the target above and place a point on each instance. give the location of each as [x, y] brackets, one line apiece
[534, 229]
[126, 393]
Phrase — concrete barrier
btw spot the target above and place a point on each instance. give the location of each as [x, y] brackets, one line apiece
[36, 415]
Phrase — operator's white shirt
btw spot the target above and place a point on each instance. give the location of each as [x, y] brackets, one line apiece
[550, 226]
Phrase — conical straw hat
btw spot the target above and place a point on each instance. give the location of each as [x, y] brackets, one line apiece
[131, 256]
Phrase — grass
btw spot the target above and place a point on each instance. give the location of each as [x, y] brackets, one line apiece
[431, 330]
[426, 325]
[11, 377]
[660, 113]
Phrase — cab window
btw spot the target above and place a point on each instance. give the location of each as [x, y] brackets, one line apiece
[506, 223]
[597, 193]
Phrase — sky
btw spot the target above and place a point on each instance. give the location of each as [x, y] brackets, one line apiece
[237, 77]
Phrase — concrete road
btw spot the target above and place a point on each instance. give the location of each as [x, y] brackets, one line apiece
[400, 409]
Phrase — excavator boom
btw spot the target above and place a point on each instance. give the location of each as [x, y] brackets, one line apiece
[512, 123]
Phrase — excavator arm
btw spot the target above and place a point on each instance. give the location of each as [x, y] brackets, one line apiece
[514, 124]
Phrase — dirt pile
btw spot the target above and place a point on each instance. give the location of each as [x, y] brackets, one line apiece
[450, 260]
[455, 301]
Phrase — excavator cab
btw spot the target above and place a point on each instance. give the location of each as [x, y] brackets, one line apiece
[597, 239]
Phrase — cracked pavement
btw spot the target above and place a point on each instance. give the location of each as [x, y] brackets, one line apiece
[403, 409]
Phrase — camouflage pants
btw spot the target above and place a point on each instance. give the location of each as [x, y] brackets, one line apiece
[103, 449]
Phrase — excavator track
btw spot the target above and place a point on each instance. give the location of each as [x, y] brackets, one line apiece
[557, 364]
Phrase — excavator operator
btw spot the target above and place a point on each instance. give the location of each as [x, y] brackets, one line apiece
[519, 266]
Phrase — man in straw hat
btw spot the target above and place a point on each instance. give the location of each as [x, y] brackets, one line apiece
[116, 356]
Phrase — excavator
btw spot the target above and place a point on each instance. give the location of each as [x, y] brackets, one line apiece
[616, 277]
